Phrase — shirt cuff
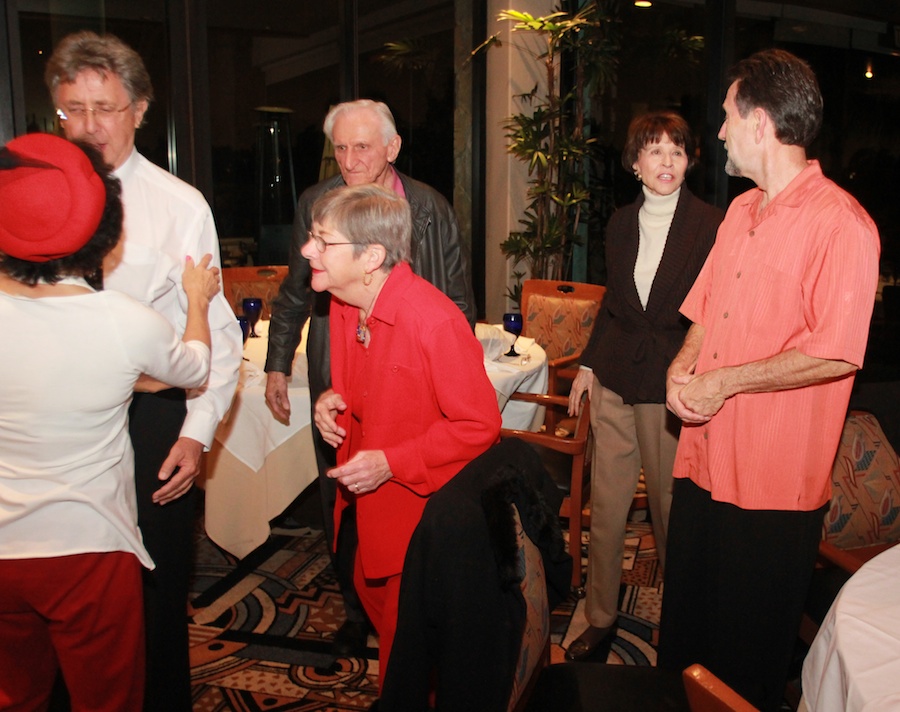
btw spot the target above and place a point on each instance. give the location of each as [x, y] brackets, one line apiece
[201, 427]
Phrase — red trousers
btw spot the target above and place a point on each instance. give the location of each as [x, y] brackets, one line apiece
[83, 614]
[381, 600]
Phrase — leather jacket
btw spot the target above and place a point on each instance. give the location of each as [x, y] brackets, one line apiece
[438, 255]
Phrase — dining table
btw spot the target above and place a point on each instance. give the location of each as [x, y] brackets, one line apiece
[525, 372]
[257, 465]
[854, 661]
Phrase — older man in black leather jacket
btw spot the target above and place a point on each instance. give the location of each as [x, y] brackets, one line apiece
[366, 144]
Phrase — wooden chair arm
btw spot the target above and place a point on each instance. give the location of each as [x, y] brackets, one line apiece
[838, 557]
[851, 560]
[563, 361]
[544, 399]
[568, 446]
[705, 691]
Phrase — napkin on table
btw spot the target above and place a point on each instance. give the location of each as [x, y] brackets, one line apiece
[494, 340]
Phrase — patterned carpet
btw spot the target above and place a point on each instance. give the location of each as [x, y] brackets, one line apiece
[260, 627]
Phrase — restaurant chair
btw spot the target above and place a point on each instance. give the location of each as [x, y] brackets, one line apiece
[260, 281]
[484, 567]
[559, 316]
[605, 687]
[707, 693]
[862, 520]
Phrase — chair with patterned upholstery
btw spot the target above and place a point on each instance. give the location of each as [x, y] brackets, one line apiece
[262, 281]
[560, 316]
[862, 519]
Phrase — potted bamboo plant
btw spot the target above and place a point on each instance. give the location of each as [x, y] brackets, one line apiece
[551, 134]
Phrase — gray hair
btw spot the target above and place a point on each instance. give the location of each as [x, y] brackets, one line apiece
[368, 215]
[380, 109]
[105, 54]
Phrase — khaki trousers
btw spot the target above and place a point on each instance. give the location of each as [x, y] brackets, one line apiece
[626, 438]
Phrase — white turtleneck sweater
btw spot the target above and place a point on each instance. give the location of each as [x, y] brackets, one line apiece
[654, 220]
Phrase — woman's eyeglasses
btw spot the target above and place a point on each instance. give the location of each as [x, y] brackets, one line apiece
[322, 245]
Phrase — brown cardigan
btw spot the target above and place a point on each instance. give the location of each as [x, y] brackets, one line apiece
[630, 348]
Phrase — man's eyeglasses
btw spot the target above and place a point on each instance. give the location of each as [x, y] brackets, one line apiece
[101, 113]
[321, 245]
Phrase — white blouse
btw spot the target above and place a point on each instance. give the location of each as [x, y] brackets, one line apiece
[69, 365]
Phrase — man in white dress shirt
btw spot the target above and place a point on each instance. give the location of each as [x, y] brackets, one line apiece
[101, 91]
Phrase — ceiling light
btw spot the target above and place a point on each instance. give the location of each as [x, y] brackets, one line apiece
[869, 72]
[643, 3]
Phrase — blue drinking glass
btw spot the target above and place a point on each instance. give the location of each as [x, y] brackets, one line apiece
[245, 327]
[512, 322]
[252, 310]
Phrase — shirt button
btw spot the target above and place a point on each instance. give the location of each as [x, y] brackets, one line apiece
[716, 354]
[394, 369]
[752, 233]
[725, 315]
[705, 435]
[738, 275]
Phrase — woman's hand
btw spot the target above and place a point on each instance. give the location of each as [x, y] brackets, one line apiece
[366, 471]
[325, 416]
[584, 381]
[148, 384]
[200, 280]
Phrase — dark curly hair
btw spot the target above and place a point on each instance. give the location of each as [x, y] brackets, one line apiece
[88, 261]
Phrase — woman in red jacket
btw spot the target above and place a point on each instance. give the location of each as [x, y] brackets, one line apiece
[410, 403]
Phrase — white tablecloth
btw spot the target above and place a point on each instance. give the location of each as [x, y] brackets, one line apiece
[854, 661]
[526, 373]
[257, 466]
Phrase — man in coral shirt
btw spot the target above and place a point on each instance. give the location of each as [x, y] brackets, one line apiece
[781, 312]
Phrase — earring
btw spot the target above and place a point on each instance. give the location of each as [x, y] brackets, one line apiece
[637, 175]
[367, 278]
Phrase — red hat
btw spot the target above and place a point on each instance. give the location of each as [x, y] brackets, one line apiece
[51, 206]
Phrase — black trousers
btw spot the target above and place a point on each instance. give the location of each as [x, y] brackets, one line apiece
[155, 422]
[735, 585]
[342, 559]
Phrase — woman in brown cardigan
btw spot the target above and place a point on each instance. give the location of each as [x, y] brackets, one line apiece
[654, 249]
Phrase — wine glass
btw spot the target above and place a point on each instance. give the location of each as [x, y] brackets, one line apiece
[252, 310]
[245, 327]
[512, 322]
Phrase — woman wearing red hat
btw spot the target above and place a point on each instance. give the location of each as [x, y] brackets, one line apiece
[70, 550]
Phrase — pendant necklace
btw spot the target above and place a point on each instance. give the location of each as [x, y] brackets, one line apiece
[362, 329]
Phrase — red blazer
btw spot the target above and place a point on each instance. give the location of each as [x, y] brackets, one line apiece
[419, 393]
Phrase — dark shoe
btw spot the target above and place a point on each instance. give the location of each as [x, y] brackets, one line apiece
[350, 640]
[589, 642]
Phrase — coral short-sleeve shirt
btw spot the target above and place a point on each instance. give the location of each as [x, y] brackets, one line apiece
[801, 275]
